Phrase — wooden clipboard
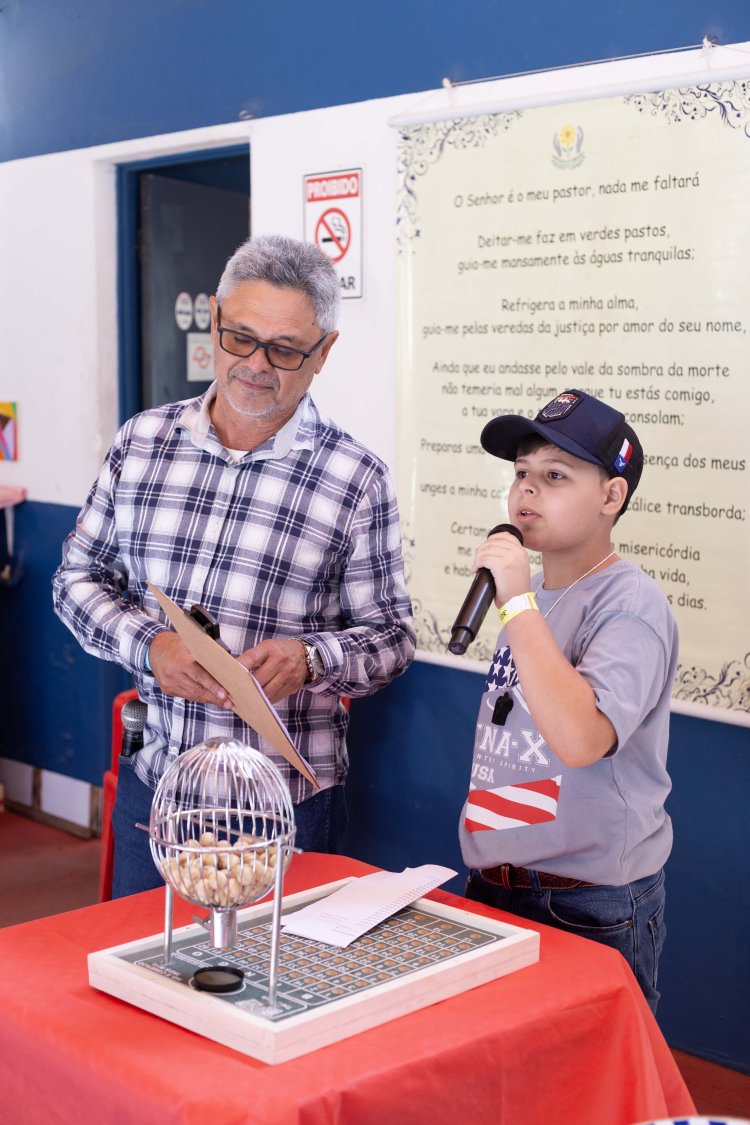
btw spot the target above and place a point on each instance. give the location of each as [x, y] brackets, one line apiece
[248, 699]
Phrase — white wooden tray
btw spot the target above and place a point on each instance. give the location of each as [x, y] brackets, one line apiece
[423, 954]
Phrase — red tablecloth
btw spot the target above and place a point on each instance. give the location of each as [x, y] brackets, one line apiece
[569, 1040]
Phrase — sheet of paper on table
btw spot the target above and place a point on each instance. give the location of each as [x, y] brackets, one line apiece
[349, 912]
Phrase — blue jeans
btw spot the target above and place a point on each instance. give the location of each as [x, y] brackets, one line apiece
[320, 822]
[629, 919]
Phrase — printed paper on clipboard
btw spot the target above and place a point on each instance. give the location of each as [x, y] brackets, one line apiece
[249, 701]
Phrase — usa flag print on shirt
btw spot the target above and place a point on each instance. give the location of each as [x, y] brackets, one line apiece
[512, 806]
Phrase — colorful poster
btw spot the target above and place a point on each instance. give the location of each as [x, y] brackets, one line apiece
[8, 431]
[601, 245]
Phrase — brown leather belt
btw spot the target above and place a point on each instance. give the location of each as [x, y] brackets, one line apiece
[511, 878]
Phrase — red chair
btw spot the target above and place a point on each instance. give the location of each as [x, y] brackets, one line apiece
[109, 789]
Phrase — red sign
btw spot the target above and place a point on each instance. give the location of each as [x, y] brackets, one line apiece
[323, 188]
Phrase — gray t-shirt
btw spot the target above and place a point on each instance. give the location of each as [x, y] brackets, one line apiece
[605, 822]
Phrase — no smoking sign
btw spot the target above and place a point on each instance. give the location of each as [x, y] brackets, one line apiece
[333, 221]
[333, 234]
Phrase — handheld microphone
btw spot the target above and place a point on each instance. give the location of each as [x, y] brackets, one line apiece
[133, 718]
[478, 600]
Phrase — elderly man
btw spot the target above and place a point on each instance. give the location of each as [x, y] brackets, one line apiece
[280, 525]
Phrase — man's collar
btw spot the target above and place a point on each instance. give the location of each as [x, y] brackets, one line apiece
[297, 433]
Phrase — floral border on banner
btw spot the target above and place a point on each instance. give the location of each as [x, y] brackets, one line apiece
[421, 148]
[730, 100]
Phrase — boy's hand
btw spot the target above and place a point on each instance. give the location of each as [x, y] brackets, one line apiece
[508, 562]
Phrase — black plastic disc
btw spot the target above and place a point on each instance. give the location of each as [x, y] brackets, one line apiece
[218, 978]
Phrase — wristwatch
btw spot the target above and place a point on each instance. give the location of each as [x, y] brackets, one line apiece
[315, 667]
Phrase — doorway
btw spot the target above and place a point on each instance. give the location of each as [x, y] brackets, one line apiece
[180, 219]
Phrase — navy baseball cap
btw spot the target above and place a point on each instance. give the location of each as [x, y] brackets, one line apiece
[580, 424]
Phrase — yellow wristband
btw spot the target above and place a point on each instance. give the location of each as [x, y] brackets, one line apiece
[516, 605]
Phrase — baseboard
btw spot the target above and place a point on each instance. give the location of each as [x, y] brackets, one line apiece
[40, 817]
[50, 798]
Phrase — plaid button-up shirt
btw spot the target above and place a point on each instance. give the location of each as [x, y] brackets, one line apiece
[297, 538]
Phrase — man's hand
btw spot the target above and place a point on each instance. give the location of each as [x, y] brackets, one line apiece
[508, 562]
[177, 673]
[279, 666]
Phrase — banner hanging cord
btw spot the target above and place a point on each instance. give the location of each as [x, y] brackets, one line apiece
[705, 45]
[413, 115]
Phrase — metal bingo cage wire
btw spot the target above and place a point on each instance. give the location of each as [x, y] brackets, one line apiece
[222, 835]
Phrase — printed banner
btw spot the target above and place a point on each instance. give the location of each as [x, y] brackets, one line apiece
[600, 245]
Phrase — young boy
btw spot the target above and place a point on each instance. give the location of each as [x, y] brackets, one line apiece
[565, 822]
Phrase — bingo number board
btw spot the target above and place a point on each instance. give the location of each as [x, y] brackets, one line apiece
[424, 953]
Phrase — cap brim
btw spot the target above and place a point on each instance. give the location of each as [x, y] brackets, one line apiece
[502, 436]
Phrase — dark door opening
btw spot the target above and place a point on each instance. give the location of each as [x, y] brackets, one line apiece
[179, 222]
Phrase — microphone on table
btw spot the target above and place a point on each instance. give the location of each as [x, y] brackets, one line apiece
[478, 600]
[133, 719]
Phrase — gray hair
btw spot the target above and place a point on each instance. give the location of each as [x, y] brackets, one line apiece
[290, 264]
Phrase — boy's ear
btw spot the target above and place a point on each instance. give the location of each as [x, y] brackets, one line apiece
[617, 491]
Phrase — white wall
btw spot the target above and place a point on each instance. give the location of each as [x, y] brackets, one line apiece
[58, 287]
[49, 338]
[58, 296]
[357, 387]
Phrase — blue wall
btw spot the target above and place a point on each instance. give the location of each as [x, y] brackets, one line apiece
[55, 701]
[85, 72]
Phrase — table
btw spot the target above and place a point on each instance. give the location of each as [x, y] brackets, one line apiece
[569, 1040]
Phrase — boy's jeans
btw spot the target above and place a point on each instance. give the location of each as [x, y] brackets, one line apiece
[629, 918]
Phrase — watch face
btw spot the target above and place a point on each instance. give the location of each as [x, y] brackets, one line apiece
[315, 666]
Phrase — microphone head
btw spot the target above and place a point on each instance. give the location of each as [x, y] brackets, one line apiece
[133, 715]
[509, 527]
[477, 602]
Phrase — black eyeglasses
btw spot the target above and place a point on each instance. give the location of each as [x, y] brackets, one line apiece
[235, 342]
